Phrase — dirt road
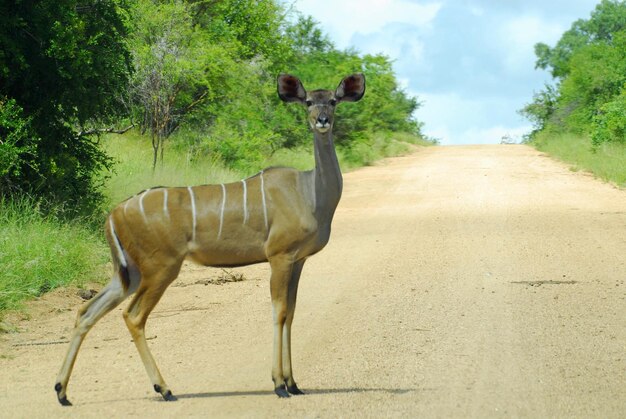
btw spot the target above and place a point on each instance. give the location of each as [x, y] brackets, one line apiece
[483, 281]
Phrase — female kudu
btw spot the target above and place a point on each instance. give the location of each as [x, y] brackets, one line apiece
[280, 215]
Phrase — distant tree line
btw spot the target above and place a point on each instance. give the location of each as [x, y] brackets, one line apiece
[197, 73]
[588, 65]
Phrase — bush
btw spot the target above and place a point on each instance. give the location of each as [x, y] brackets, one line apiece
[237, 147]
[609, 125]
[16, 142]
[64, 66]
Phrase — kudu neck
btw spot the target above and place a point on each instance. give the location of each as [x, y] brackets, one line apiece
[328, 180]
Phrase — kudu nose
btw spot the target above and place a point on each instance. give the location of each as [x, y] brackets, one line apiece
[322, 120]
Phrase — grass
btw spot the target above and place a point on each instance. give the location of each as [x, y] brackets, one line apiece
[39, 253]
[607, 162]
[378, 146]
[133, 170]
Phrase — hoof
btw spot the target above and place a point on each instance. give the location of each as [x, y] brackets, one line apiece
[281, 392]
[167, 396]
[294, 390]
[62, 399]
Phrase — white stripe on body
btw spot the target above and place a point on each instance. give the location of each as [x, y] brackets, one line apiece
[118, 247]
[245, 201]
[193, 213]
[165, 211]
[263, 198]
[143, 213]
[219, 233]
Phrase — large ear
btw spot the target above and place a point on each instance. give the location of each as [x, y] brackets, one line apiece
[290, 89]
[351, 89]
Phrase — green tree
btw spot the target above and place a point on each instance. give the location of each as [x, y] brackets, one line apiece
[608, 18]
[65, 64]
[541, 110]
[208, 69]
[597, 75]
[177, 68]
[17, 144]
[253, 29]
[589, 65]
[609, 124]
[307, 37]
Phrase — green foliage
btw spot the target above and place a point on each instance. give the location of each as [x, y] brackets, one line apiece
[177, 68]
[597, 74]
[65, 65]
[589, 63]
[308, 38]
[542, 108]
[582, 119]
[254, 28]
[133, 170]
[609, 125]
[17, 142]
[245, 125]
[241, 121]
[608, 18]
[40, 252]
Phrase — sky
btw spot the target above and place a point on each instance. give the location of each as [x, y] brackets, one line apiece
[470, 62]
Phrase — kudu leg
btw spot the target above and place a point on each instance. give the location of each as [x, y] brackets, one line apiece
[291, 308]
[136, 314]
[106, 300]
[283, 288]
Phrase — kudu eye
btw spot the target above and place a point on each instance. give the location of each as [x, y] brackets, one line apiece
[333, 102]
[309, 102]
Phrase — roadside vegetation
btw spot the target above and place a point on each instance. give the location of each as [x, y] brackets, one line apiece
[606, 161]
[581, 118]
[40, 251]
[99, 100]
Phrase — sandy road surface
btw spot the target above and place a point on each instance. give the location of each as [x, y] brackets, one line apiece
[459, 282]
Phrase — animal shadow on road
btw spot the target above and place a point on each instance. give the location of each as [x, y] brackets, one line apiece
[309, 392]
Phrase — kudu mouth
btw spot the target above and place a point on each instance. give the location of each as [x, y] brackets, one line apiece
[322, 127]
[322, 123]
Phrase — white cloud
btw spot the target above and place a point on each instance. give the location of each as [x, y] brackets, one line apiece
[345, 18]
[519, 34]
[398, 42]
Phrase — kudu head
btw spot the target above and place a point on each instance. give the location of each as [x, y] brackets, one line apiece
[321, 104]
